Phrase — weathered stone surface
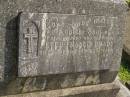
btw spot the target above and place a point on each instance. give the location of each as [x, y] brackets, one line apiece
[126, 37]
[2, 54]
[62, 43]
[104, 90]
[34, 84]
[124, 91]
[8, 44]
[60, 81]
[9, 25]
[9, 10]
[108, 7]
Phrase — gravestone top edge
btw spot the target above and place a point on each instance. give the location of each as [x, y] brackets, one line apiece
[119, 5]
[112, 1]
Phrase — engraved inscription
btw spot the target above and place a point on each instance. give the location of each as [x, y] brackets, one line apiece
[70, 43]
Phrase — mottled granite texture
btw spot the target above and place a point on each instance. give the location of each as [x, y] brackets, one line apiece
[9, 14]
[104, 90]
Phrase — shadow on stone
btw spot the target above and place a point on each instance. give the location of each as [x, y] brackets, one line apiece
[125, 61]
[11, 53]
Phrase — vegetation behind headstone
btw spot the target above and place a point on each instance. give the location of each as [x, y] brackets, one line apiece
[128, 2]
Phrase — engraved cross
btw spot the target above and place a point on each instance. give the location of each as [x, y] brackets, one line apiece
[30, 35]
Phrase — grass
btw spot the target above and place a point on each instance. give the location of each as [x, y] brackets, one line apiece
[128, 1]
[124, 72]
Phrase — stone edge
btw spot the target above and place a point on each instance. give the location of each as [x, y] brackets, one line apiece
[114, 88]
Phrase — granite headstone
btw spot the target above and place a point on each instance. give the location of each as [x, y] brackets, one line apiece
[23, 71]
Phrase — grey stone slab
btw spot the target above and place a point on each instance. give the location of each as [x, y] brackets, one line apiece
[10, 9]
[104, 90]
[108, 7]
[8, 45]
[58, 81]
[52, 43]
[124, 91]
[2, 53]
